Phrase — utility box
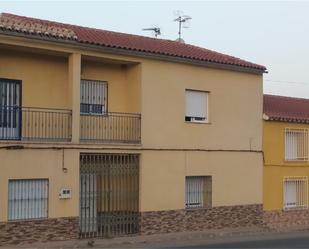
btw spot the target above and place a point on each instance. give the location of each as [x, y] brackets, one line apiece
[65, 193]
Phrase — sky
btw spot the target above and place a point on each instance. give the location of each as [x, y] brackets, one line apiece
[271, 33]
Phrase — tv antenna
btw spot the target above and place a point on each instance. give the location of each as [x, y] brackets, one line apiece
[183, 22]
[156, 31]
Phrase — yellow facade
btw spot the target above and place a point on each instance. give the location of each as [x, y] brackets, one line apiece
[275, 165]
[228, 148]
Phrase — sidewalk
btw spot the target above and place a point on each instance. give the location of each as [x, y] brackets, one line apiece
[163, 240]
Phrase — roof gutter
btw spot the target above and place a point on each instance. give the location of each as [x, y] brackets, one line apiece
[147, 55]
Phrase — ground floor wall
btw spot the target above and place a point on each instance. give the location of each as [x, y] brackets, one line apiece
[273, 179]
[236, 190]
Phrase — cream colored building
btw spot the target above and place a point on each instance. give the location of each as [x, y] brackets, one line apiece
[105, 134]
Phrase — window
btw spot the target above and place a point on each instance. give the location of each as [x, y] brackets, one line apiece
[296, 144]
[295, 192]
[10, 112]
[28, 199]
[196, 106]
[93, 97]
[198, 191]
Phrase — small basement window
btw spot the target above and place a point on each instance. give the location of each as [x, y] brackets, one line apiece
[28, 199]
[196, 106]
[198, 191]
[295, 193]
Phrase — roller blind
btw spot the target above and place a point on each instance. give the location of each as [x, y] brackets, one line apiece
[196, 104]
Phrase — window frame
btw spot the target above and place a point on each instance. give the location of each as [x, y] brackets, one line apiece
[105, 99]
[205, 197]
[305, 157]
[194, 119]
[45, 205]
[304, 200]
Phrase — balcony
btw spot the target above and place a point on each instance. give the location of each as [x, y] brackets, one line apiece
[35, 124]
[55, 125]
[111, 127]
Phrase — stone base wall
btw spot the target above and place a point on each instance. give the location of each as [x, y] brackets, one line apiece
[21, 232]
[201, 219]
[286, 220]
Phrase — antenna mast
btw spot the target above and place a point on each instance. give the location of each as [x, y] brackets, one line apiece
[156, 31]
[181, 19]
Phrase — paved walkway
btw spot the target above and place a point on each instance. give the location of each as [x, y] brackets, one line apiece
[181, 239]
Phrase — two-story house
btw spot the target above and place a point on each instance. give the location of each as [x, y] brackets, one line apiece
[107, 134]
[286, 165]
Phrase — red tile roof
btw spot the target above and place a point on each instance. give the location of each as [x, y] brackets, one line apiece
[286, 109]
[10, 23]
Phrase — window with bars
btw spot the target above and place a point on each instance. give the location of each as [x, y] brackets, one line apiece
[28, 199]
[296, 144]
[295, 193]
[93, 97]
[196, 106]
[198, 191]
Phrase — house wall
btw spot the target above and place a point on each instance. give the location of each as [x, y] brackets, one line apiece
[236, 178]
[42, 163]
[235, 107]
[123, 84]
[44, 77]
[228, 147]
[45, 80]
[275, 166]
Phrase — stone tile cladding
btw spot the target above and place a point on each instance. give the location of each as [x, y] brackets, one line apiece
[21, 232]
[287, 220]
[201, 219]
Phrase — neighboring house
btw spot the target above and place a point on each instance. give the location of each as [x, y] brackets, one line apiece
[286, 162]
[106, 134]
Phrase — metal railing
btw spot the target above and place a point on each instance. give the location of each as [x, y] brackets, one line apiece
[33, 123]
[111, 127]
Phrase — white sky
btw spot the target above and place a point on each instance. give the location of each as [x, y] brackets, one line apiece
[275, 34]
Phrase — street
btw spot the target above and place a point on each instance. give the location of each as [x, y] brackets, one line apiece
[300, 240]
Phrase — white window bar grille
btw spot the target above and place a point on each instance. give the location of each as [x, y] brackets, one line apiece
[198, 191]
[296, 144]
[295, 192]
[93, 97]
[28, 199]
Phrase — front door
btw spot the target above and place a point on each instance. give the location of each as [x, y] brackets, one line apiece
[10, 112]
[88, 205]
[109, 191]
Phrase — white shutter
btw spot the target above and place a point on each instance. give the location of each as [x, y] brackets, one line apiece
[290, 194]
[196, 104]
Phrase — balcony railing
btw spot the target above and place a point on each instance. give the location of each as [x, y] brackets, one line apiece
[111, 127]
[31, 123]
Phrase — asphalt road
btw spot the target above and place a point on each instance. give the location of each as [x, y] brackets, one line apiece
[299, 242]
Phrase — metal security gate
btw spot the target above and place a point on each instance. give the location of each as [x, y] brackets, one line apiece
[109, 195]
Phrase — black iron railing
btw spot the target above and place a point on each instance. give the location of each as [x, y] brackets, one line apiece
[32, 123]
[111, 127]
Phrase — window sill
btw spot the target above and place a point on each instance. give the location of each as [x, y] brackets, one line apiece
[296, 161]
[294, 209]
[197, 208]
[28, 219]
[197, 122]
